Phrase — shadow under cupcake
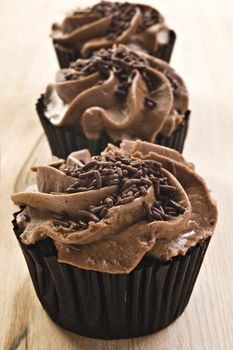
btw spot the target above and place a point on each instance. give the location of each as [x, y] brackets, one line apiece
[114, 243]
[107, 23]
[116, 94]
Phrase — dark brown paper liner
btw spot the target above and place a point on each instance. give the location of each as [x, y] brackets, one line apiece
[165, 51]
[177, 139]
[66, 57]
[65, 139]
[107, 306]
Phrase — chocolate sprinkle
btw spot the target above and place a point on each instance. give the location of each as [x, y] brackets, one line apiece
[88, 215]
[149, 102]
[61, 223]
[167, 188]
[98, 179]
[89, 165]
[103, 212]
[147, 211]
[178, 208]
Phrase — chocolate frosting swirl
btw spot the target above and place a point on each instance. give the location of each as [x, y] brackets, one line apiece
[108, 23]
[105, 213]
[119, 91]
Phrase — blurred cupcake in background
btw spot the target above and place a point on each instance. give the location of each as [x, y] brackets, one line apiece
[115, 94]
[107, 23]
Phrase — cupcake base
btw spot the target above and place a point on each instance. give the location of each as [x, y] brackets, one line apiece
[65, 57]
[65, 139]
[108, 306]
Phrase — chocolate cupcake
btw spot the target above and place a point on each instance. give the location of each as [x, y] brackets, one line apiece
[114, 242]
[107, 23]
[113, 95]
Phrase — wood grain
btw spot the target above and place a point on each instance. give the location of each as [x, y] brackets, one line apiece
[204, 56]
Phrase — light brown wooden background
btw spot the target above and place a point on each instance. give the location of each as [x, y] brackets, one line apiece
[204, 56]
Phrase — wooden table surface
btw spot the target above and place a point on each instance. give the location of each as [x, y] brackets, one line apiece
[204, 57]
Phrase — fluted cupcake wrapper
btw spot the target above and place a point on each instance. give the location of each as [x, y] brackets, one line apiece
[65, 139]
[108, 306]
[66, 57]
[177, 139]
[165, 51]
